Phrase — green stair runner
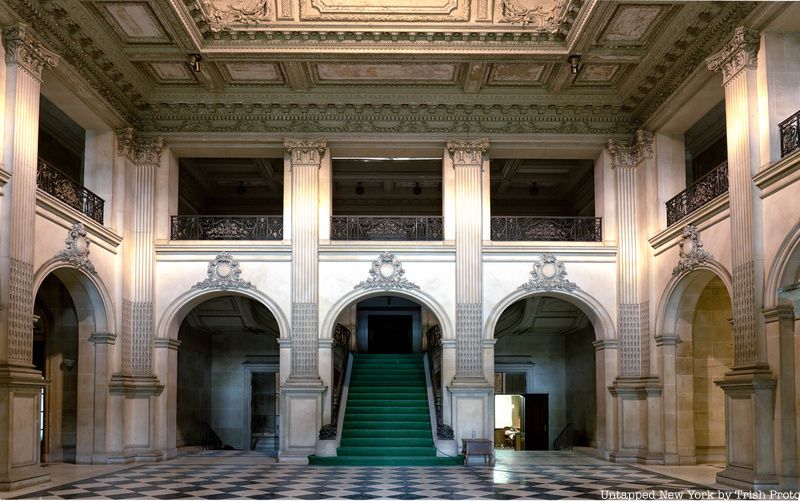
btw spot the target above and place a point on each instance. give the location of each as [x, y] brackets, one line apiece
[386, 420]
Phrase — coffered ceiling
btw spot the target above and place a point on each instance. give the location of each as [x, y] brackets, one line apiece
[540, 315]
[380, 66]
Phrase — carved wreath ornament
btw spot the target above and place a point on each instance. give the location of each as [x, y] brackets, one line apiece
[223, 273]
[77, 251]
[386, 273]
[548, 274]
[692, 253]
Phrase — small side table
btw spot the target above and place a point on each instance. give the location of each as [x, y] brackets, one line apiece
[482, 446]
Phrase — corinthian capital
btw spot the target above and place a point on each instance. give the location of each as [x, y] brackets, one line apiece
[741, 52]
[139, 150]
[628, 154]
[468, 151]
[305, 151]
[23, 49]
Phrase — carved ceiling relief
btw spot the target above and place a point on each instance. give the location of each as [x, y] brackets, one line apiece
[229, 14]
[539, 15]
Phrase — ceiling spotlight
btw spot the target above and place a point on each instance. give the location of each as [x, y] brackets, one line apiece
[194, 62]
[417, 189]
[534, 189]
[359, 189]
[241, 189]
[573, 61]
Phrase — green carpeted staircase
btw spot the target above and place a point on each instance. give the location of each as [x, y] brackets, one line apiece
[386, 420]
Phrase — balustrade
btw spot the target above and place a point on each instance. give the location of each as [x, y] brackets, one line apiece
[788, 130]
[226, 228]
[425, 228]
[542, 228]
[53, 181]
[699, 193]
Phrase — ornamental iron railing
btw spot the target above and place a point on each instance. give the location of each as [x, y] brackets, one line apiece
[541, 228]
[226, 228]
[699, 193]
[434, 339]
[53, 181]
[789, 129]
[424, 228]
[341, 340]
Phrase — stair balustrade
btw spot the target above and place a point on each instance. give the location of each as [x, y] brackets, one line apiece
[341, 354]
[563, 441]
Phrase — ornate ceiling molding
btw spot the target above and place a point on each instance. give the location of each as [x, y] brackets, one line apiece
[227, 15]
[305, 151]
[23, 49]
[139, 150]
[695, 256]
[223, 273]
[534, 16]
[386, 273]
[548, 274]
[740, 53]
[628, 154]
[77, 251]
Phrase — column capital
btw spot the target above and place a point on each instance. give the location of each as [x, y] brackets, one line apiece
[739, 53]
[467, 151]
[23, 49]
[628, 154]
[306, 151]
[137, 149]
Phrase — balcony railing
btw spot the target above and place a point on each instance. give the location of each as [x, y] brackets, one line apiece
[539, 228]
[58, 184]
[789, 129]
[424, 228]
[702, 191]
[227, 228]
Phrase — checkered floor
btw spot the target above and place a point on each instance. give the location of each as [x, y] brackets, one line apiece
[188, 478]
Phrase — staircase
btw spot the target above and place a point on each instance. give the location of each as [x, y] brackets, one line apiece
[387, 422]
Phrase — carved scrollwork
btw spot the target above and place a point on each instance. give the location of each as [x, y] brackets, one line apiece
[695, 255]
[739, 53]
[534, 16]
[223, 273]
[77, 251]
[139, 150]
[548, 274]
[222, 15]
[23, 49]
[386, 273]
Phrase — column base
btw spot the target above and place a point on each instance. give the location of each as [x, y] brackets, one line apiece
[746, 478]
[472, 408]
[301, 418]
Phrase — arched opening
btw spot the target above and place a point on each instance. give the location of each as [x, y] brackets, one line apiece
[55, 354]
[545, 376]
[387, 325]
[228, 376]
[700, 314]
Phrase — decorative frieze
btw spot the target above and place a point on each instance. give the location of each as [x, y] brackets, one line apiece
[77, 251]
[548, 274]
[23, 49]
[691, 251]
[305, 151]
[739, 53]
[20, 312]
[223, 273]
[386, 273]
[137, 149]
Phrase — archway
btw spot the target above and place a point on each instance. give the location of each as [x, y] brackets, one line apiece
[697, 318]
[228, 375]
[69, 347]
[544, 376]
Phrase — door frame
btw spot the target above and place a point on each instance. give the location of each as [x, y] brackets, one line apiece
[269, 365]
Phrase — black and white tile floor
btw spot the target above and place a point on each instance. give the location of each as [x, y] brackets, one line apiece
[190, 477]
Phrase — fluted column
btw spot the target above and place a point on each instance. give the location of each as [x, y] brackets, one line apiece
[306, 157]
[749, 387]
[467, 159]
[143, 157]
[634, 312]
[20, 383]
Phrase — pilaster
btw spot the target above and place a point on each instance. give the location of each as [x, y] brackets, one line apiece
[472, 403]
[303, 392]
[137, 385]
[749, 387]
[20, 384]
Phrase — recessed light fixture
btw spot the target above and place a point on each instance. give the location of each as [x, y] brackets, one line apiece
[359, 189]
[417, 189]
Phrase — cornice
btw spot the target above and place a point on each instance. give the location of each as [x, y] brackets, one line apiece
[22, 48]
[672, 69]
[778, 175]
[739, 53]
